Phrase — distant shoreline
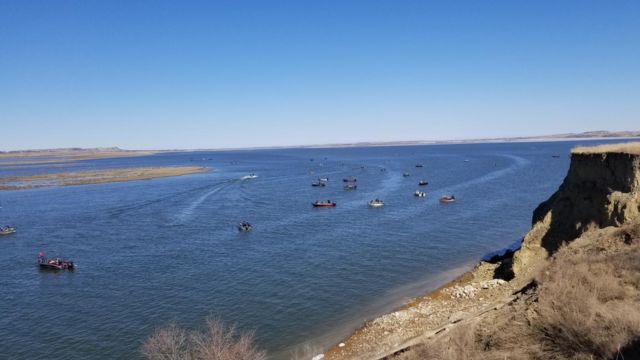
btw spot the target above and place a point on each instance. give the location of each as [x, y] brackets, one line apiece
[95, 177]
[73, 154]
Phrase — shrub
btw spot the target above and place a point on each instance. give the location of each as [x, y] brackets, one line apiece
[215, 342]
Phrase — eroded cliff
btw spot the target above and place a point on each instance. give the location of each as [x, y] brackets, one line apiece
[601, 189]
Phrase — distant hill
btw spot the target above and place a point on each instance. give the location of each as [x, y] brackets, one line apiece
[116, 151]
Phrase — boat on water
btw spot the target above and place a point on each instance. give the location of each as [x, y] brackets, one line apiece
[319, 184]
[419, 193]
[349, 179]
[406, 174]
[54, 263]
[423, 183]
[323, 179]
[447, 199]
[351, 186]
[376, 203]
[244, 226]
[250, 176]
[327, 203]
[6, 230]
[419, 165]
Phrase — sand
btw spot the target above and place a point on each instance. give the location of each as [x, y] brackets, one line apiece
[95, 177]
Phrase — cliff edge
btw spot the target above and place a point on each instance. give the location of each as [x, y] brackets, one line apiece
[601, 189]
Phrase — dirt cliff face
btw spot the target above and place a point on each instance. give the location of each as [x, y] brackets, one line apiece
[600, 190]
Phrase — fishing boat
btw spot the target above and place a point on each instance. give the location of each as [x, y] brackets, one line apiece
[447, 199]
[423, 183]
[419, 193]
[406, 174]
[327, 203]
[419, 165]
[249, 177]
[323, 179]
[54, 263]
[376, 203]
[351, 186]
[6, 230]
[319, 184]
[244, 226]
[349, 179]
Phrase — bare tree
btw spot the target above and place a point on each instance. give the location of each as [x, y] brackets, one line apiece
[215, 342]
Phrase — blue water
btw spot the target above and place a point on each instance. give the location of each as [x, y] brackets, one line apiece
[152, 252]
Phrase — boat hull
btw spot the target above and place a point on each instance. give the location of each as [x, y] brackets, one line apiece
[54, 267]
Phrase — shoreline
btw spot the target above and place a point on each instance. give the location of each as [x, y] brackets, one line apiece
[95, 177]
[425, 315]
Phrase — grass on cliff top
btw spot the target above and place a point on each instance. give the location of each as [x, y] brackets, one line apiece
[626, 148]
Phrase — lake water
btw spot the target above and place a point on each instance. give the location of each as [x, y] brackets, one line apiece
[152, 252]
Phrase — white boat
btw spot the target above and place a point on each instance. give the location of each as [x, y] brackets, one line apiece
[249, 177]
[376, 203]
[419, 193]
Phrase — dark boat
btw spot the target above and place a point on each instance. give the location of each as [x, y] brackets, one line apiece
[419, 165]
[447, 199]
[244, 227]
[54, 264]
[6, 230]
[350, 179]
[319, 184]
[327, 203]
[406, 174]
[351, 186]
[423, 182]
[555, 156]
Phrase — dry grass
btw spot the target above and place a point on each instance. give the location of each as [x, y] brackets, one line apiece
[626, 148]
[215, 342]
[589, 304]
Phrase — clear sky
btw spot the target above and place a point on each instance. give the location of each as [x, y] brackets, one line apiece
[210, 74]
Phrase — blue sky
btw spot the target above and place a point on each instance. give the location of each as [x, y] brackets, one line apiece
[211, 74]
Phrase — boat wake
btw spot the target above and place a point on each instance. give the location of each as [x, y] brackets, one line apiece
[119, 211]
[188, 211]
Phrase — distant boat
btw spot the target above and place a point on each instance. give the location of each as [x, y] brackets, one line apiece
[6, 230]
[349, 179]
[447, 199]
[319, 184]
[555, 156]
[327, 203]
[54, 264]
[351, 186]
[249, 177]
[323, 179]
[419, 165]
[423, 183]
[406, 174]
[419, 193]
[245, 227]
[376, 203]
